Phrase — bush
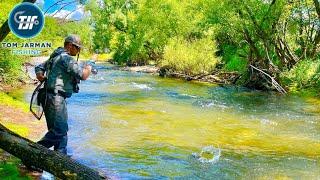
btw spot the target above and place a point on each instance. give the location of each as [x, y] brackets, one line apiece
[139, 31]
[305, 74]
[10, 67]
[192, 58]
[231, 59]
[235, 63]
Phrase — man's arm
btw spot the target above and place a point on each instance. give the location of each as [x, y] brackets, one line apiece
[74, 69]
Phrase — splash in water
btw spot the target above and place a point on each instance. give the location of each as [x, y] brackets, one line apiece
[141, 86]
[208, 154]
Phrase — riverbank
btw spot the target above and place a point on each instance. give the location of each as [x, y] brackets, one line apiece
[15, 115]
[289, 80]
[225, 78]
[218, 76]
[221, 78]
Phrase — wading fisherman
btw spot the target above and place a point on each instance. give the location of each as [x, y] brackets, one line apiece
[61, 74]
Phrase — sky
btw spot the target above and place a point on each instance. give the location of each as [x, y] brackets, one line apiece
[78, 9]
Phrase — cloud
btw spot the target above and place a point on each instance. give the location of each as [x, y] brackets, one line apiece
[40, 3]
[76, 15]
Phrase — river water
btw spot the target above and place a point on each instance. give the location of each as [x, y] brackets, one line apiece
[132, 125]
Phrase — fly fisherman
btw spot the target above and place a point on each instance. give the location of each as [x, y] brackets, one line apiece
[61, 74]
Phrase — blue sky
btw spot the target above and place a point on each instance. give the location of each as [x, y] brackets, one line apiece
[48, 3]
[76, 15]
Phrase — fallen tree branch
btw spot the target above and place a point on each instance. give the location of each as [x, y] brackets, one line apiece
[273, 81]
[36, 155]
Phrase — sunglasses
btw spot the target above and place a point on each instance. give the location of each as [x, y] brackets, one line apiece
[78, 48]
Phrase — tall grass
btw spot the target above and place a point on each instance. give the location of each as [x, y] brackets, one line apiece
[191, 58]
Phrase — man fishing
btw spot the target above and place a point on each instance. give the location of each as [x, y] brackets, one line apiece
[61, 74]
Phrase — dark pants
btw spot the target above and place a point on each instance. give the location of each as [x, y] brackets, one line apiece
[56, 116]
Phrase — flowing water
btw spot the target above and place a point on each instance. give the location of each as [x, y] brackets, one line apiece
[134, 126]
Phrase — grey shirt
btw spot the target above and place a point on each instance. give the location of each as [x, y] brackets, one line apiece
[62, 71]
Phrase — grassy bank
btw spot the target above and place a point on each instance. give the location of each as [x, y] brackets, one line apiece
[9, 164]
[15, 116]
[11, 72]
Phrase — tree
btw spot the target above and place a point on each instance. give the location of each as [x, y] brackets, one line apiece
[268, 33]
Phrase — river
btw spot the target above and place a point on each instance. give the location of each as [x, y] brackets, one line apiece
[132, 125]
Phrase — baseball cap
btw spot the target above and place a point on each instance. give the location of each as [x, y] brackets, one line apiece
[74, 39]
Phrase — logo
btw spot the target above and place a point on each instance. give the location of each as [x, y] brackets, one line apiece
[26, 20]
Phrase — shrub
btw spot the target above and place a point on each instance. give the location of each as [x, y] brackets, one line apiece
[303, 75]
[192, 58]
[235, 63]
[10, 67]
[231, 59]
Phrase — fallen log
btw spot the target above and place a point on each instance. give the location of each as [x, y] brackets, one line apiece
[38, 156]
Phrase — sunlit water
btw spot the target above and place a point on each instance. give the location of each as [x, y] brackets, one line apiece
[133, 125]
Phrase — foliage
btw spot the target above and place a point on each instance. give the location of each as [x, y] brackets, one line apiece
[55, 31]
[10, 67]
[305, 74]
[6, 7]
[196, 57]
[104, 57]
[232, 60]
[273, 35]
[9, 170]
[235, 63]
[138, 31]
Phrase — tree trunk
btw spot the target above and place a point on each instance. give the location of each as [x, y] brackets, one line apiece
[36, 155]
[317, 6]
[4, 30]
[315, 45]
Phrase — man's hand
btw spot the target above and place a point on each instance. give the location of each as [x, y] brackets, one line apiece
[40, 77]
[89, 67]
[86, 72]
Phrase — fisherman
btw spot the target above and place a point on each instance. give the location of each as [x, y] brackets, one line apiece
[61, 74]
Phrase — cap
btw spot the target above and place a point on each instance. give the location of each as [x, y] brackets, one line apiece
[74, 39]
